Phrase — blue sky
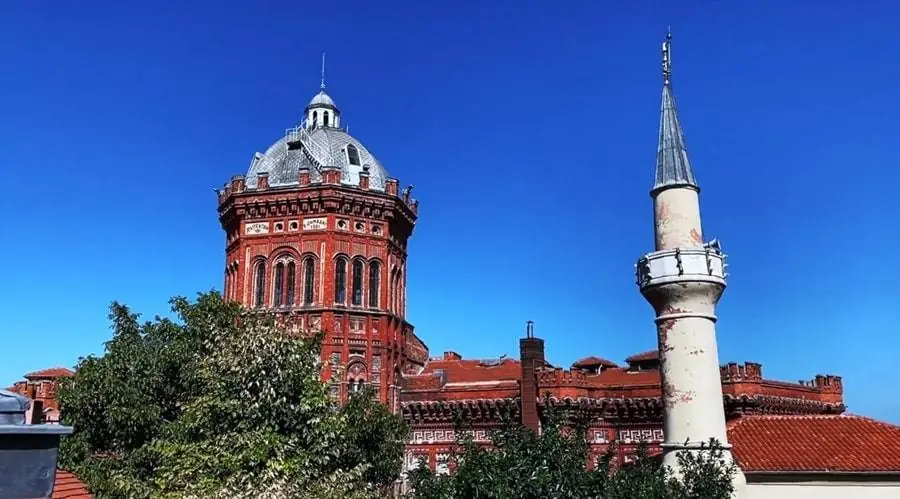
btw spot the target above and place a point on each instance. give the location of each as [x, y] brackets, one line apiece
[529, 130]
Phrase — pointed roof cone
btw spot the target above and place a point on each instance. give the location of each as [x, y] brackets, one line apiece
[672, 165]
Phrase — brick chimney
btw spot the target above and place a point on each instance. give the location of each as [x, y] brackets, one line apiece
[531, 354]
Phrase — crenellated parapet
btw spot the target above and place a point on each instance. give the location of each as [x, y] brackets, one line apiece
[747, 392]
[826, 383]
[734, 372]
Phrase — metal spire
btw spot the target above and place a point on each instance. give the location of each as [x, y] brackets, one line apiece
[672, 165]
[322, 85]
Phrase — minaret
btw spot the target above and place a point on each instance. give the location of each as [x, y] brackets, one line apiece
[683, 281]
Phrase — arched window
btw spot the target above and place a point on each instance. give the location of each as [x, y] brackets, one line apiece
[374, 283]
[291, 279]
[356, 298]
[315, 118]
[309, 273]
[356, 377]
[352, 154]
[340, 280]
[279, 284]
[259, 270]
[325, 118]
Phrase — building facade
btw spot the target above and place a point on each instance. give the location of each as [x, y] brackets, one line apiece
[42, 388]
[317, 231]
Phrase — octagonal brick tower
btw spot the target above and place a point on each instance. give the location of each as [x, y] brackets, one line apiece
[683, 281]
[317, 232]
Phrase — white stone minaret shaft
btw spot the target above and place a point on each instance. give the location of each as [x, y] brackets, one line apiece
[683, 281]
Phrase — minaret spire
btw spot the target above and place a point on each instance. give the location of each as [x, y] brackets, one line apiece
[672, 165]
[322, 85]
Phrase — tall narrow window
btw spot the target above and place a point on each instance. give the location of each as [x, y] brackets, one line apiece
[401, 298]
[309, 272]
[340, 280]
[392, 291]
[315, 118]
[352, 154]
[325, 118]
[291, 279]
[374, 283]
[279, 284]
[357, 282]
[260, 291]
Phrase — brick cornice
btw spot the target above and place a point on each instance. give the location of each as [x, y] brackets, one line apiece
[314, 199]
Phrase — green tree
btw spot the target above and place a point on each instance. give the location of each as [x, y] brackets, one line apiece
[552, 465]
[220, 403]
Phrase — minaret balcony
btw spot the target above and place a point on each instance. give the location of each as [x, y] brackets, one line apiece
[706, 264]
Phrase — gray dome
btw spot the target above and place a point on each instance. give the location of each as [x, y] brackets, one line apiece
[283, 165]
[321, 99]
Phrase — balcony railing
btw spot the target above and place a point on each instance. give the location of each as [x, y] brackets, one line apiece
[681, 265]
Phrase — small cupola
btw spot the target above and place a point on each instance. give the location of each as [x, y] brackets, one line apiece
[321, 112]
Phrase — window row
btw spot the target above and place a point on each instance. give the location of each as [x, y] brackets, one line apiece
[284, 275]
[357, 274]
[326, 118]
[355, 280]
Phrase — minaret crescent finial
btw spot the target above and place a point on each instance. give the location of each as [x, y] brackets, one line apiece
[667, 58]
[322, 85]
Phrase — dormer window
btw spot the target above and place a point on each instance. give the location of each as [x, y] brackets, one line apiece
[352, 154]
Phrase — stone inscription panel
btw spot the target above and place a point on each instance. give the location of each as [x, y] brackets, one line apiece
[256, 228]
[319, 223]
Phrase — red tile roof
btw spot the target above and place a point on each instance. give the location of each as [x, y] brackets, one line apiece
[67, 486]
[593, 362]
[474, 370]
[644, 356]
[834, 443]
[53, 372]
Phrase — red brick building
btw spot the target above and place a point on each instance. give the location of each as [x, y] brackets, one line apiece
[624, 401]
[41, 387]
[317, 230]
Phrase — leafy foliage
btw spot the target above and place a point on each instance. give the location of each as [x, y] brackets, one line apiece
[552, 465]
[220, 404]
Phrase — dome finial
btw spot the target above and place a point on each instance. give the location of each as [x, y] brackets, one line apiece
[667, 58]
[322, 85]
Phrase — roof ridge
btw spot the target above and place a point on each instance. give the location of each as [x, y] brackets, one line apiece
[870, 419]
[46, 370]
[774, 417]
